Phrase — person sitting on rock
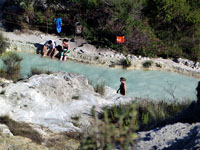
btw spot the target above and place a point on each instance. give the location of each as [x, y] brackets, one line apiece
[58, 48]
[122, 87]
[65, 50]
[49, 45]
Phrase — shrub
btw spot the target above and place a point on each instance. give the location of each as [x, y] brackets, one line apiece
[37, 71]
[11, 68]
[147, 64]
[125, 63]
[108, 136]
[176, 23]
[149, 113]
[115, 112]
[3, 44]
[100, 88]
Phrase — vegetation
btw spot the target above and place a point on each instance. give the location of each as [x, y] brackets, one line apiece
[108, 136]
[116, 127]
[11, 68]
[100, 88]
[126, 62]
[149, 114]
[147, 64]
[152, 28]
[3, 44]
[36, 71]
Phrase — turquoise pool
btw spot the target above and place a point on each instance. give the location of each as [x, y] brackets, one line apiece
[145, 84]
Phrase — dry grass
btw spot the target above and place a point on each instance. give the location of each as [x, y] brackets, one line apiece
[100, 88]
[64, 141]
[37, 71]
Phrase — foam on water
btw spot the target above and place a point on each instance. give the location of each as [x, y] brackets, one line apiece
[145, 84]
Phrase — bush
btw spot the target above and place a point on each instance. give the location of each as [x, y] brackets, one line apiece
[147, 64]
[115, 112]
[11, 68]
[149, 113]
[176, 23]
[108, 136]
[100, 88]
[37, 71]
[125, 63]
[3, 44]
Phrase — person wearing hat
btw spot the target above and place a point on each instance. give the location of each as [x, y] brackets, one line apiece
[122, 87]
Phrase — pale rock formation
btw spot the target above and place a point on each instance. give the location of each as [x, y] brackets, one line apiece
[178, 136]
[46, 104]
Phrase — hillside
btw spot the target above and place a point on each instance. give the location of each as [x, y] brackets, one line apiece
[151, 28]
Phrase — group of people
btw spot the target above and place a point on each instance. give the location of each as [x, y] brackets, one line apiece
[51, 46]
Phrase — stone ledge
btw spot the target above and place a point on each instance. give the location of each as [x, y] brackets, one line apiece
[109, 58]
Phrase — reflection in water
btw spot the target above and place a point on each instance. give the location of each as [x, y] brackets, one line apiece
[152, 84]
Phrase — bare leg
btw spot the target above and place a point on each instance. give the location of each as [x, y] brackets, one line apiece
[65, 57]
[50, 52]
[54, 53]
[44, 51]
[61, 57]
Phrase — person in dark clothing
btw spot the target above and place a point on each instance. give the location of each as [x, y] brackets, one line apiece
[122, 87]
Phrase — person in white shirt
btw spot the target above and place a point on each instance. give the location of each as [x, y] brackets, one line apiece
[49, 45]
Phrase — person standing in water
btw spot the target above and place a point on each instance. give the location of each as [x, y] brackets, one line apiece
[122, 87]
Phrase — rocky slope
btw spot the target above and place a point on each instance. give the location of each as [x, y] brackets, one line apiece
[49, 111]
[45, 107]
[171, 137]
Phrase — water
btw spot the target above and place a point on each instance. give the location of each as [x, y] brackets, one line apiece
[145, 84]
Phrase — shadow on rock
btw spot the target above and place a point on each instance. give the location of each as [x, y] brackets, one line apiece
[39, 48]
[189, 115]
[21, 129]
[188, 142]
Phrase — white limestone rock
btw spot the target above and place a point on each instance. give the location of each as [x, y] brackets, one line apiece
[47, 103]
[4, 130]
[170, 137]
